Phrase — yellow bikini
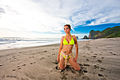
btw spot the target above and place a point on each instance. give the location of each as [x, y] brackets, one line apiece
[70, 43]
[66, 43]
[66, 57]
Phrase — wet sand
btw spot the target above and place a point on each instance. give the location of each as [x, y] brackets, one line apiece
[99, 60]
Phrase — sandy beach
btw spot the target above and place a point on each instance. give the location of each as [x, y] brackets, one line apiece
[99, 60]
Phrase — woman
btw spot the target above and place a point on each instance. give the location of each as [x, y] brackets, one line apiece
[65, 51]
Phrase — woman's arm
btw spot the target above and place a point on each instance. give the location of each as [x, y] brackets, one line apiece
[61, 45]
[76, 47]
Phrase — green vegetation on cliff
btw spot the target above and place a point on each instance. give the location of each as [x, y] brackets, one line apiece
[107, 33]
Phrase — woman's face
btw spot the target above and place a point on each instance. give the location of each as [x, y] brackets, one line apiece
[66, 29]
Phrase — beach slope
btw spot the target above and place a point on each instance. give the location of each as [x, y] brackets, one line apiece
[99, 60]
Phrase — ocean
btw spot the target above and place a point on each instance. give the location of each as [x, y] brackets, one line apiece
[16, 42]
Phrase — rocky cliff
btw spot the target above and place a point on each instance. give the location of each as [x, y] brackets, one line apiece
[107, 33]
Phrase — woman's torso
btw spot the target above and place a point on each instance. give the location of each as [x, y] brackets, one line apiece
[67, 49]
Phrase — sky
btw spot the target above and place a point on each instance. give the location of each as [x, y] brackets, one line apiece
[46, 18]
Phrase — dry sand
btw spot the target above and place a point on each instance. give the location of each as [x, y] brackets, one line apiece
[99, 60]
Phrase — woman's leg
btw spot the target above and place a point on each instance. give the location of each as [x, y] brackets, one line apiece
[74, 64]
[62, 63]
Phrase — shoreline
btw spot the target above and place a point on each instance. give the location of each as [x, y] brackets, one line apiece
[38, 45]
[31, 47]
[99, 60]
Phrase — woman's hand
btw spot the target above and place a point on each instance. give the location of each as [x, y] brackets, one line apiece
[75, 59]
[58, 58]
[76, 46]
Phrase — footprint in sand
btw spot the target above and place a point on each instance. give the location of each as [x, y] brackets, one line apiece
[85, 71]
[102, 69]
[81, 64]
[1, 65]
[96, 66]
[113, 53]
[53, 54]
[32, 62]
[19, 68]
[94, 56]
[45, 51]
[100, 75]
[42, 58]
[100, 61]
[14, 57]
[86, 64]
[19, 52]
[87, 59]
[24, 65]
[14, 70]
[84, 56]
[102, 57]
[11, 76]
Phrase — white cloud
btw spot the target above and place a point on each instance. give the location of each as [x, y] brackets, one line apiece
[40, 16]
[101, 11]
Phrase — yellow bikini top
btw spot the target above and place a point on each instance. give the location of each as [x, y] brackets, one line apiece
[65, 42]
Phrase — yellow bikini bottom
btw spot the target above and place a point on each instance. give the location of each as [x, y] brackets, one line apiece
[66, 56]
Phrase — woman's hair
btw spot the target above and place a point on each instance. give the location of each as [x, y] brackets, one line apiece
[68, 26]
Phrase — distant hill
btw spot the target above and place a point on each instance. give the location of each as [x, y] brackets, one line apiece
[107, 33]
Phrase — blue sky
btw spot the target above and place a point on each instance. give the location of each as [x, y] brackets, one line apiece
[46, 18]
[87, 29]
